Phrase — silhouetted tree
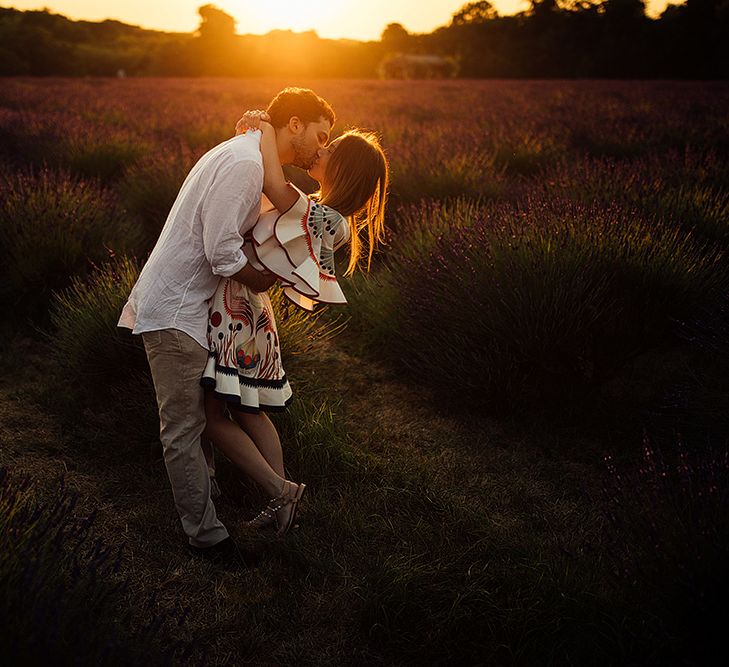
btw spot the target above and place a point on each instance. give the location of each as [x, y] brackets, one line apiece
[475, 12]
[215, 24]
[216, 50]
[395, 37]
[624, 11]
[541, 8]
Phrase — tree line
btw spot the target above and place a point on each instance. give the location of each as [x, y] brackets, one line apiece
[553, 38]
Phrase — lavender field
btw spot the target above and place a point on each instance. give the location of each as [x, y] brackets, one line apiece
[515, 433]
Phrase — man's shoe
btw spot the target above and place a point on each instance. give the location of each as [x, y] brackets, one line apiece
[226, 554]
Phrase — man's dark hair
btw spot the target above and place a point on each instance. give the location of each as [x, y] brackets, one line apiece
[300, 102]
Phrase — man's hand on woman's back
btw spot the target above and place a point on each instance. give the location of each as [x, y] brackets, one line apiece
[258, 281]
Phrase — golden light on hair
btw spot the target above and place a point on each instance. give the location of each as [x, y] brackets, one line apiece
[357, 178]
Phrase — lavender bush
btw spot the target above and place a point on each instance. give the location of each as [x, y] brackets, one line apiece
[53, 227]
[504, 304]
[58, 580]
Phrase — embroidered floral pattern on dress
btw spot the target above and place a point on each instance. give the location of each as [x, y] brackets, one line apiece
[322, 219]
[244, 363]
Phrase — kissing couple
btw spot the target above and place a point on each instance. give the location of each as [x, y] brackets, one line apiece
[201, 303]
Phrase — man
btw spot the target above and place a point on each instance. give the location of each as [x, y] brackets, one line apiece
[200, 242]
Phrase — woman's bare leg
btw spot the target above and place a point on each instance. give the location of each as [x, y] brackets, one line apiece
[261, 430]
[239, 447]
[265, 437]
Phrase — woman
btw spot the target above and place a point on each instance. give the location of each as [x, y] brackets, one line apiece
[296, 242]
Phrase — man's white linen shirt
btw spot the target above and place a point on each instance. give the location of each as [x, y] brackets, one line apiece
[201, 241]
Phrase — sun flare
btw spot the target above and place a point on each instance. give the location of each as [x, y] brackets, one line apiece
[290, 14]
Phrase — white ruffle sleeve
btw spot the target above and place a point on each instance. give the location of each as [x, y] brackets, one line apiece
[298, 246]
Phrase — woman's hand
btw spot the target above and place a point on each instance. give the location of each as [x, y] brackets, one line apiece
[275, 186]
[251, 120]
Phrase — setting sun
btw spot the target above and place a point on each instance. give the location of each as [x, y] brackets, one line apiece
[291, 14]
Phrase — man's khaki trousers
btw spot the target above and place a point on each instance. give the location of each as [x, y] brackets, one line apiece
[177, 363]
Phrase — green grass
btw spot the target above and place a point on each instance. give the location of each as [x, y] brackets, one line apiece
[387, 534]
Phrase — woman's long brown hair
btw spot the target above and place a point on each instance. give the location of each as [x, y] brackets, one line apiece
[357, 177]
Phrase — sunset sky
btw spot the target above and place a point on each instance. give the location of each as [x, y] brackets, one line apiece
[352, 19]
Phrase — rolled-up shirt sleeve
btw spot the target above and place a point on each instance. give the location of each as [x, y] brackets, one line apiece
[234, 192]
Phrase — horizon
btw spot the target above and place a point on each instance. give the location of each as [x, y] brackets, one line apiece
[331, 19]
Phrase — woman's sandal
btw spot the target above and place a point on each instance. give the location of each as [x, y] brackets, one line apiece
[265, 517]
[285, 527]
[268, 515]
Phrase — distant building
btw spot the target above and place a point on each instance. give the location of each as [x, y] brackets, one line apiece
[409, 66]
